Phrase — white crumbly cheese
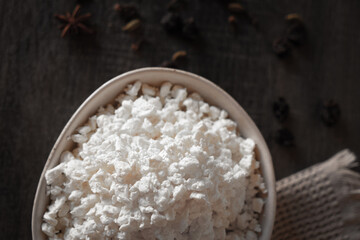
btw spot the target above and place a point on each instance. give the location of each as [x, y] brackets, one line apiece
[162, 165]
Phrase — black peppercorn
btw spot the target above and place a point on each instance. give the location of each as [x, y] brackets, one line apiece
[295, 31]
[127, 12]
[281, 109]
[330, 113]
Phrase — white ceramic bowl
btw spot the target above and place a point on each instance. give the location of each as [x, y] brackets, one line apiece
[155, 76]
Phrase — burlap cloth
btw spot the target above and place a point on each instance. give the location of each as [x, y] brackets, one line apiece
[320, 202]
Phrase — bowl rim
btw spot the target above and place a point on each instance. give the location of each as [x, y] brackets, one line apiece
[271, 190]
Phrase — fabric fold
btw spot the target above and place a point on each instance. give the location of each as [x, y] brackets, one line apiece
[320, 202]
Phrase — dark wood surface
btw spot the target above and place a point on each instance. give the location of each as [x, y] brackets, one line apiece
[44, 78]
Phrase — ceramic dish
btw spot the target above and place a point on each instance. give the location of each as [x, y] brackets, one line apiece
[155, 76]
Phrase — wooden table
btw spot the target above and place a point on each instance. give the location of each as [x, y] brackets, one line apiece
[44, 78]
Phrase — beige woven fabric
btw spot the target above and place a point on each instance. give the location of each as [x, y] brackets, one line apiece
[320, 202]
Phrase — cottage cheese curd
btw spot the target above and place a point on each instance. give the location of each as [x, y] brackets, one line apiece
[162, 165]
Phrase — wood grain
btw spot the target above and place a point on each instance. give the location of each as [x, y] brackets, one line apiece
[44, 78]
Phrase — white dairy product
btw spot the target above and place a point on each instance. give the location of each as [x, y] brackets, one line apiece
[162, 165]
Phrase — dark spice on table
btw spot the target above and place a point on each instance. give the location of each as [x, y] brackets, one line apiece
[132, 26]
[295, 31]
[177, 58]
[281, 109]
[293, 18]
[179, 55]
[127, 12]
[284, 137]
[236, 8]
[330, 113]
[72, 23]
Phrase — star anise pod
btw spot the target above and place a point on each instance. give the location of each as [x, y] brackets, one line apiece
[73, 22]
